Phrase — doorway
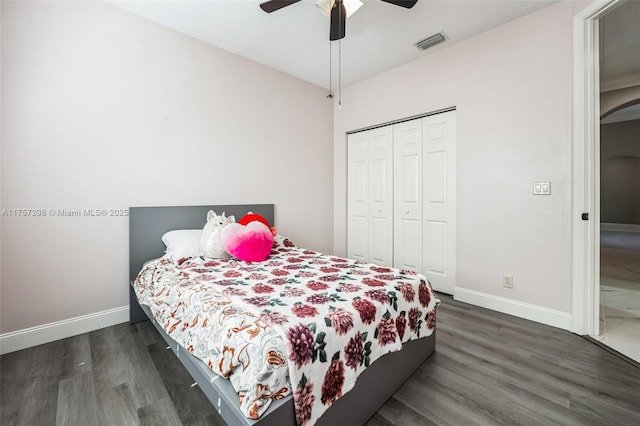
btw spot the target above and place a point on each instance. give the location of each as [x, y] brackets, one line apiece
[597, 248]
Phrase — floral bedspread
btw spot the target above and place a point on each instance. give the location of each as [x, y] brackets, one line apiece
[300, 320]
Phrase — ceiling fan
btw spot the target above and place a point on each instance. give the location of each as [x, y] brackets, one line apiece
[336, 10]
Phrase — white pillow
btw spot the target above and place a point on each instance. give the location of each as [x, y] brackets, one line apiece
[182, 243]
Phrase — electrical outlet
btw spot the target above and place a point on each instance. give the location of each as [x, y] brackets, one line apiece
[507, 281]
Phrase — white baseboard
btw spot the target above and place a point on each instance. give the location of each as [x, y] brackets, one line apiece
[28, 337]
[513, 307]
[620, 227]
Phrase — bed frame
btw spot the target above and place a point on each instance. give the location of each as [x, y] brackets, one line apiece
[374, 386]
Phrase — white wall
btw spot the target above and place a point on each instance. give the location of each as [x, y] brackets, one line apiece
[512, 90]
[102, 109]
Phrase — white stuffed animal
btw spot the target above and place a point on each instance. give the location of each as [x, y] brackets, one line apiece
[210, 242]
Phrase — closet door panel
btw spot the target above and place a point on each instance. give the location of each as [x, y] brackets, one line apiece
[381, 196]
[439, 201]
[358, 238]
[408, 240]
[435, 202]
[370, 197]
[435, 247]
[436, 178]
[380, 251]
[407, 142]
[358, 197]
[408, 179]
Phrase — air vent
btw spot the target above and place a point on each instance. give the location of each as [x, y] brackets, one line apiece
[431, 41]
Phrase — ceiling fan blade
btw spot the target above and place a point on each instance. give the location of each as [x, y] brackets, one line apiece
[338, 21]
[404, 3]
[273, 5]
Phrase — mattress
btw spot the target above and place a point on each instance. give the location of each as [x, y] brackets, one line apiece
[300, 322]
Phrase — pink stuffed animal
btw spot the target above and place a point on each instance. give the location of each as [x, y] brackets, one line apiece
[251, 242]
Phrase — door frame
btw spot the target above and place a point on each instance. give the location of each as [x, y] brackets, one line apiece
[586, 167]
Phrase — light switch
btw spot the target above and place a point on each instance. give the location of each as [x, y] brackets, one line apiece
[541, 188]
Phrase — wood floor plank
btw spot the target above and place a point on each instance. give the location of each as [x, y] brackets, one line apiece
[77, 401]
[596, 382]
[528, 406]
[116, 406]
[212, 419]
[34, 403]
[378, 420]
[160, 413]
[14, 376]
[76, 356]
[110, 364]
[508, 372]
[121, 357]
[31, 379]
[478, 397]
[441, 406]
[148, 333]
[567, 363]
[191, 404]
[395, 412]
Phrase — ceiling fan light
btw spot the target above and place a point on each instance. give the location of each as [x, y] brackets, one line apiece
[325, 7]
[351, 6]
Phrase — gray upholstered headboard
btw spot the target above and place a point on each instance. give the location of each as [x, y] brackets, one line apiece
[148, 224]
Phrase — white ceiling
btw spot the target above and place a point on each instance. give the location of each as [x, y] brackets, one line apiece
[295, 39]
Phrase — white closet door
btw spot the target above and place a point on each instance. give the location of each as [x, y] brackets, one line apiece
[358, 196]
[407, 142]
[439, 200]
[370, 205]
[381, 196]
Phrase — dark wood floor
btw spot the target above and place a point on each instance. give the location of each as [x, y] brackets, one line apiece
[488, 369]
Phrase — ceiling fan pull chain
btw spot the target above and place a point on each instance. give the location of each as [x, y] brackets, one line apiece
[330, 95]
[340, 74]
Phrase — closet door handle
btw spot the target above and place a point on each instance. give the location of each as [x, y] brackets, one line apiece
[407, 212]
[379, 210]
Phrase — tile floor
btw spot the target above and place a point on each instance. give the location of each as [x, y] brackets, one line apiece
[620, 292]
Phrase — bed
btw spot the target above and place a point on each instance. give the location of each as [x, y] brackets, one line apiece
[373, 387]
